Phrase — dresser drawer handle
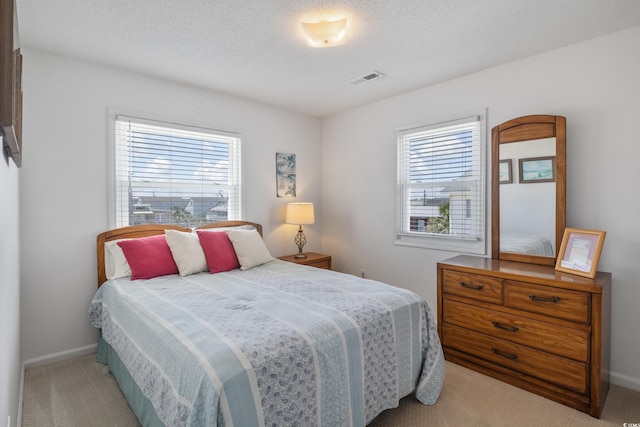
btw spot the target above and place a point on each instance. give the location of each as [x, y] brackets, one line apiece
[541, 299]
[505, 327]
[503, 354]
[474, 287]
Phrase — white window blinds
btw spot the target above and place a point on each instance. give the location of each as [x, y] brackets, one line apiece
[441, 186]
[174, 174]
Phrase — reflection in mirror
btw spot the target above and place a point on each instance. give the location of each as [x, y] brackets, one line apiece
[528, 209]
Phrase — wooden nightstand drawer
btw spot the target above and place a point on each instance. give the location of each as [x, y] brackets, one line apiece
[313, 260]
[555, 302]
[326, 264]
[474, 286]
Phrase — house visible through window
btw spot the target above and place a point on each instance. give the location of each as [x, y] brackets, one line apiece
[174, 174]
[441, 185]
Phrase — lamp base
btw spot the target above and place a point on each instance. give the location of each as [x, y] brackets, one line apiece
[300, 240]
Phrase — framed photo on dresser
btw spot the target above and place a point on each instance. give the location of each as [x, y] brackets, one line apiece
[580, 251]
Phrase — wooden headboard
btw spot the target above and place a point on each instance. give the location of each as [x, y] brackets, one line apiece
[136, 231]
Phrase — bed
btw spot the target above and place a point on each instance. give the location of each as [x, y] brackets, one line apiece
[270, 344]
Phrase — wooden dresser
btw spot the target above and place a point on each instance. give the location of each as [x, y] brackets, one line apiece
[528, 325]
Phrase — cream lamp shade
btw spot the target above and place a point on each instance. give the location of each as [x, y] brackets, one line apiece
[325, 33]
[299, 214]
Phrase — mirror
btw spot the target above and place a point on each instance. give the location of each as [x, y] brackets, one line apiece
[528, 188]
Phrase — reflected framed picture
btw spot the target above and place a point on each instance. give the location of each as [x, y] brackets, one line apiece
[505, 173]
[537, 169]
[580, 251]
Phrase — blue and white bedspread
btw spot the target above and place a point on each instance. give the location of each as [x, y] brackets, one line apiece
[277, 345]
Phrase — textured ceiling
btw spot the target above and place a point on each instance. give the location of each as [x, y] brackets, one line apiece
[255, 48]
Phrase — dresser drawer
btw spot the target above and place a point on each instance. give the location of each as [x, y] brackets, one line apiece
[544, 366]
[474, 286]
[555, 302]
[543, 336]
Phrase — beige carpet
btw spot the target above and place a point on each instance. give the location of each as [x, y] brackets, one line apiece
[80, 392]
[73, 393]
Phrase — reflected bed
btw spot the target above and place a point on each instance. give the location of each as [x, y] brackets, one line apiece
[525, 244]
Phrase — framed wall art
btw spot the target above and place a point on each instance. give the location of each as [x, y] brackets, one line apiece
[285, 175]
[580, 251]
[537, 169]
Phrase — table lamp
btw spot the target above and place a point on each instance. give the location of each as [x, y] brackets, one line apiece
[300, 214]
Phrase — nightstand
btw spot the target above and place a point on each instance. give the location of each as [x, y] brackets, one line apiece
[313, 259]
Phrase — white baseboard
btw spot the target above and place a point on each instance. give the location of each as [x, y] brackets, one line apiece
[625, 381]
[57, 357]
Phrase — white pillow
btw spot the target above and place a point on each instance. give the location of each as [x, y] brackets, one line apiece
[115, 264]
[250, 248]
[187, 251]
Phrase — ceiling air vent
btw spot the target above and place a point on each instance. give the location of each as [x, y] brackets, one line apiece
[367, 77]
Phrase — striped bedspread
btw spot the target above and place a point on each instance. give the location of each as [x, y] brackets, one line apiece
[277, 345]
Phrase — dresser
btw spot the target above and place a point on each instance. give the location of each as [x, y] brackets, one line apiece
[528, 325]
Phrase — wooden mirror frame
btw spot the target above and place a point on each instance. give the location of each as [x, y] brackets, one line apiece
[524, 129]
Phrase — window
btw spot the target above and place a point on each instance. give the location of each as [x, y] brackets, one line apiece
[173, 174]
[440, 184]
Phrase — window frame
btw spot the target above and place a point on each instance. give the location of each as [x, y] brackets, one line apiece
[181, 125]
[403, 236]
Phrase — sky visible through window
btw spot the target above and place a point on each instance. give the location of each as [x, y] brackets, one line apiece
[176, 161]
[441, 157]
[437, 160]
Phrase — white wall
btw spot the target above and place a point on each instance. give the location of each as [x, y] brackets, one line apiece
[64, 180]
[10, 359]
[594, 84]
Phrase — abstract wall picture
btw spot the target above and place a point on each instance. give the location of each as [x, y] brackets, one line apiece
[286, 175]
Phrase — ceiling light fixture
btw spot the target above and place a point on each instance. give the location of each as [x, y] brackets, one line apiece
[325, 33]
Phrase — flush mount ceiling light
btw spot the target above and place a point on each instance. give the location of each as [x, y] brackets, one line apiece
[325, 33]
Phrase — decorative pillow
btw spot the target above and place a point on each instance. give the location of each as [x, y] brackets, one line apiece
[250, 248]
[218, 250]
[115, 264]
[148, 257]
[187, 252]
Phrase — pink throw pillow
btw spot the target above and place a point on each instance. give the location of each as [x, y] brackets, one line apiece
[148, 257]
[218, 250]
